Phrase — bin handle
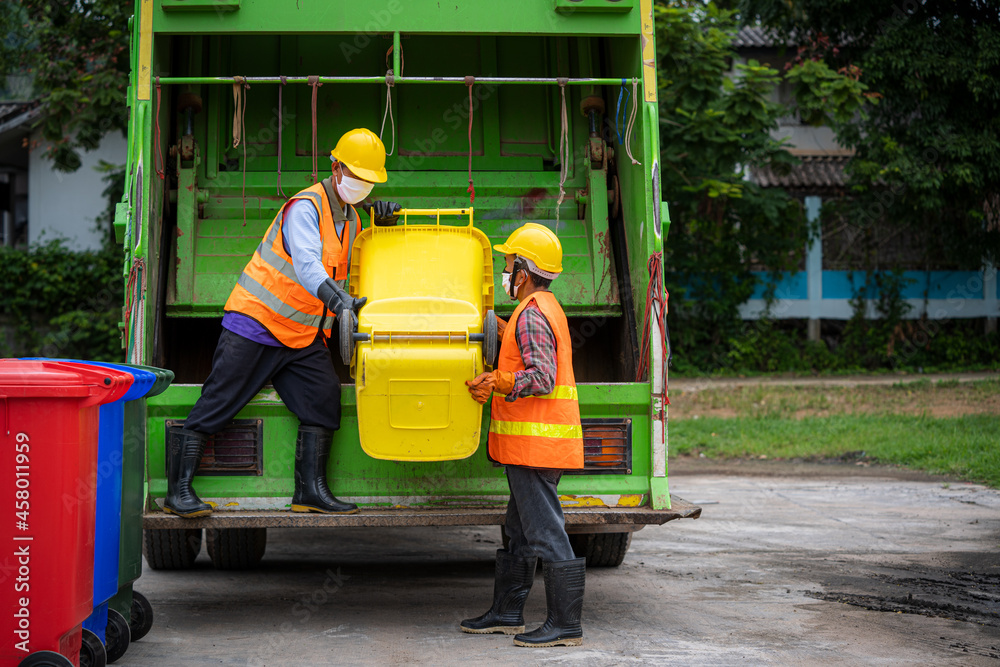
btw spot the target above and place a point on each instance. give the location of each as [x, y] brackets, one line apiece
[438, 212]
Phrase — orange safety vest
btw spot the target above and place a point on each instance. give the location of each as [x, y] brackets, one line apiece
[539, 431]
[270, 292]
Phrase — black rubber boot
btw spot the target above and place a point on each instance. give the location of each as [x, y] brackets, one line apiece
[514, 576]
[184, 453]
[312, 451]
[564, 582]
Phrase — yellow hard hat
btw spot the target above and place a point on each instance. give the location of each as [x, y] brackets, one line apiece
[364, 153]
[536, 242]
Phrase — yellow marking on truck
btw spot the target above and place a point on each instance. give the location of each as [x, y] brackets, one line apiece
[648, 50]
[633, 500]
[145, 50]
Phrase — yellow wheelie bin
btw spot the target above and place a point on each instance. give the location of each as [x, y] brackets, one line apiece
[428, 326]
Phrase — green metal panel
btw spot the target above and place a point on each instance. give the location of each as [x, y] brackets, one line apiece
[359, 22]
[353, 473]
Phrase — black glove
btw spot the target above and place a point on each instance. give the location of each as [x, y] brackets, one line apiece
[385, 213]
[336, 299]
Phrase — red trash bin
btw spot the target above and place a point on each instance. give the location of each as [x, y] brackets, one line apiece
[48, 431]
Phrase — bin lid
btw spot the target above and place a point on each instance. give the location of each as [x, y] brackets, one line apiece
[163, 378]
[142, 380]
[24, 378]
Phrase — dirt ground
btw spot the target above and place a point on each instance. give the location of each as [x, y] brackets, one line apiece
[790, 564]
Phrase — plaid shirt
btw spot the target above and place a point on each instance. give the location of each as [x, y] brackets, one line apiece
[537, 344]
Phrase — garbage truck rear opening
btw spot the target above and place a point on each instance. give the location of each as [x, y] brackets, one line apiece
[545, 112]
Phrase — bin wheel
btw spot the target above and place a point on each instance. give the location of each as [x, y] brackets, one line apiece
[141, 621]
[601, 549]
[346, 336]
[46, 659]
[171, 548]
[490, 343]
[92, 653]
[117, 636]
[236, 548]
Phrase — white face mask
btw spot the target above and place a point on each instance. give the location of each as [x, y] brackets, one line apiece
[352, 190]
[511, 290]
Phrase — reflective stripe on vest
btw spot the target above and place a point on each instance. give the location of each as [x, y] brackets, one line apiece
[536, 429]
[269, 290]
[276, 304]
[539, 431]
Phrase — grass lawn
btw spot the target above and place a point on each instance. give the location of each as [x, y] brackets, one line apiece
[901, 425]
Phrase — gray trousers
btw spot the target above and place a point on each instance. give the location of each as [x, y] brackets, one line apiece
[535, 522]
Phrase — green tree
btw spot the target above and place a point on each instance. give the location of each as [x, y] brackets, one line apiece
[928, 156]
[715, 124]
[77, 53]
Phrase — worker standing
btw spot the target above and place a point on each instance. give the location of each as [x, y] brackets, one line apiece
[535, 433]
[276, 323]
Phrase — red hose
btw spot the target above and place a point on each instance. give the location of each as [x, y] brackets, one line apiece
[656, 297]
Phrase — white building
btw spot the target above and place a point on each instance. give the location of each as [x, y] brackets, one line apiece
[38, 203]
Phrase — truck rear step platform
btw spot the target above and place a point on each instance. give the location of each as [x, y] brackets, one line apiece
[596, 519]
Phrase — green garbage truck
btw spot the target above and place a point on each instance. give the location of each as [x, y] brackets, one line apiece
[542, 110]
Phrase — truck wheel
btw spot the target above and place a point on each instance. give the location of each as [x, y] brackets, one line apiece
[46, 659]
[236, 548]
[92, 653]
[346, 319]
[490, 343]
[141, 621]
[171, 548]
[601, 549]
[117, 635]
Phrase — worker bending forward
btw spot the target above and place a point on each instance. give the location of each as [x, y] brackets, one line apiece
[535, 433]
[276, 322]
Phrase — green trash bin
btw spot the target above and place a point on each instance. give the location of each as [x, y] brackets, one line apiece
[128, 603]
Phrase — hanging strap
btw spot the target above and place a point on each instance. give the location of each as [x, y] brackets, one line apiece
[314, 82]
[158, 160]
[389, 83]
[469, 81]
[563, 146]
[618, 111]
[240, 86]
[631, 121]
[281, 124]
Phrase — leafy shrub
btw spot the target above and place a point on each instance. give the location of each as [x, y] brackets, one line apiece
[58, 302]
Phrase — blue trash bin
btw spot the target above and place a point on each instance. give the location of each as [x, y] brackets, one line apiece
[108, 490]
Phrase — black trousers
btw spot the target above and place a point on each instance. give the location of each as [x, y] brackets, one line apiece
[535, 522]
[304, 379]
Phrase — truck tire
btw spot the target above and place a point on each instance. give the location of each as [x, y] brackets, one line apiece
[236, 548]
[601, 549]
[171, 548]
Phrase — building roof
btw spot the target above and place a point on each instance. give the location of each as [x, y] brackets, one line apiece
[18, 116]
[815, 173]
[758, 37]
